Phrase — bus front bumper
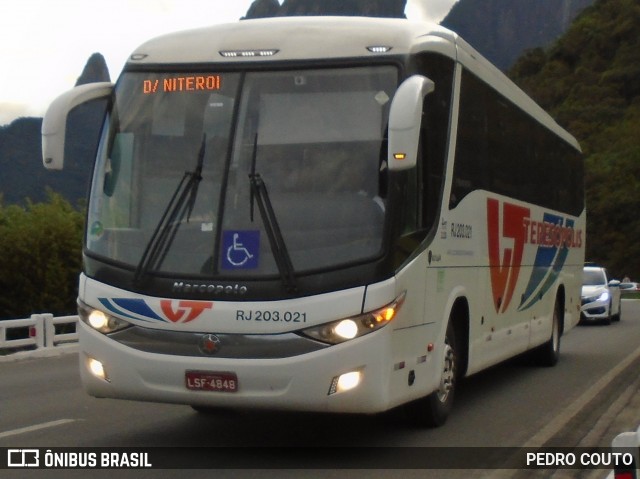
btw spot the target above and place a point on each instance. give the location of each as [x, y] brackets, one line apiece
[320, 381]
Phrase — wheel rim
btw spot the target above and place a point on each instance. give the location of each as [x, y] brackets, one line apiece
[448, 374]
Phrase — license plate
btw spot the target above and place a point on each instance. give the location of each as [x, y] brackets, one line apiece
[211, 381]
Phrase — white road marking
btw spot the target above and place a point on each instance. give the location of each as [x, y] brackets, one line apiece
[36, 427]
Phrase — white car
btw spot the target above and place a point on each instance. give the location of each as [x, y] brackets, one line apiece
[600, 296]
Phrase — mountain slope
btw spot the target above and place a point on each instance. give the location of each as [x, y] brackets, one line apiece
[590, 81]
[23, 175]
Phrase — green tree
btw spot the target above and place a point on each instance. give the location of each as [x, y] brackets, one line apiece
[40, 258]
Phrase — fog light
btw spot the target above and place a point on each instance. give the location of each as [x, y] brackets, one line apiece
[97, 369]
[348, 381]
[345, 382]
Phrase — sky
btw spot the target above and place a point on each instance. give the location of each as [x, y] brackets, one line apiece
[45, 44]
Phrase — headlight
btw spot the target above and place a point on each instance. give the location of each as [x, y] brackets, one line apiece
[99, 320]
[354, 327]
[604, 296]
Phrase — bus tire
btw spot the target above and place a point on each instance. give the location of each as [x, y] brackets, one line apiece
[548, 354]
[212, 410]
[433, 410]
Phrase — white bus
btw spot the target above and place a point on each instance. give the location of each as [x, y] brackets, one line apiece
[320, 214]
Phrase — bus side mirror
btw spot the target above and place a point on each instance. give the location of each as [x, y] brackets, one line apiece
[405, 117]
[54, 124]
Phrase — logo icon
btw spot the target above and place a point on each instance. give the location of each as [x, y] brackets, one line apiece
[209, 344]
[185, 312]
[23, 458]
[168, 310]
[510, 229]
[507, 237]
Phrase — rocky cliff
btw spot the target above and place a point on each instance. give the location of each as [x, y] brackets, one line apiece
[366, 8]
[502, 29]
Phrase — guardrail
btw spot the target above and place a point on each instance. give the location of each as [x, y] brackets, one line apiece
[37, 332]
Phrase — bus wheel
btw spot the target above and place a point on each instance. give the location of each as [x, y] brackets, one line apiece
[548, 354]
[433, 410]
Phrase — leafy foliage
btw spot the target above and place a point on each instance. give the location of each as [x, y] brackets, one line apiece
[41, 246]
[590, 82]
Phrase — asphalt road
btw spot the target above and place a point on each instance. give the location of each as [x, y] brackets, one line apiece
[42, 404]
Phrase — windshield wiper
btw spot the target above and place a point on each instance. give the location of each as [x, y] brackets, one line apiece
[180, 206]
[279, 249]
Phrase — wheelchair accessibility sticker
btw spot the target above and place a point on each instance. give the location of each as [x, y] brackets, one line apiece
[240, 249]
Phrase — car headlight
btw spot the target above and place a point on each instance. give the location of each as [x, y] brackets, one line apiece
[99, 320]
[604, 296]
[343, 330]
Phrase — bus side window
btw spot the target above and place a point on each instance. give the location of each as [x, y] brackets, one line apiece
[502, 149]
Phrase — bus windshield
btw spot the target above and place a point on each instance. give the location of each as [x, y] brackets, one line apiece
[175, 189]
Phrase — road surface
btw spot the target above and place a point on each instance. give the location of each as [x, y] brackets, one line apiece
[42, 404]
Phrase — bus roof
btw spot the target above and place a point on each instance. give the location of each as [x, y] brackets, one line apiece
[294, 38]
[308, 38]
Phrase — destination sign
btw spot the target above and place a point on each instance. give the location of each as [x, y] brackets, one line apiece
[182, 83]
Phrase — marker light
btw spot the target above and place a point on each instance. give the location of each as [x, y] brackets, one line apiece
[345, 382]
[379, 48]
[248, 53]
[385, 315]
[343, 330]
[399, 156]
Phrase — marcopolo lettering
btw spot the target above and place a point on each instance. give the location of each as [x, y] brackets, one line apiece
[209, 288]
